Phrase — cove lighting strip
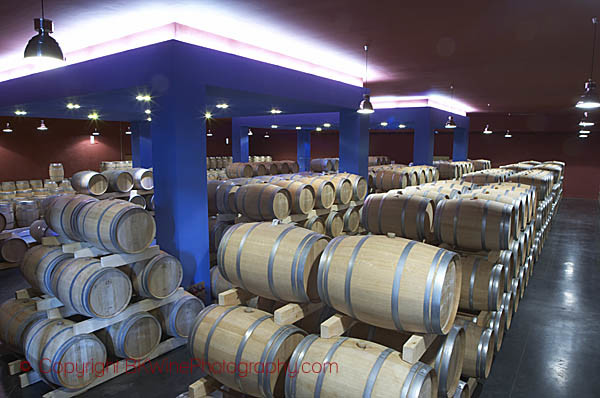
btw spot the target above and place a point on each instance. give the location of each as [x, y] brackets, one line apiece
[420, 101]
[186, 34]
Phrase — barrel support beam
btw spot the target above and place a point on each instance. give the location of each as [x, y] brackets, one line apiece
[141, 144]
[179, 154]
[354, 143]
[239, 141]
[303, 139]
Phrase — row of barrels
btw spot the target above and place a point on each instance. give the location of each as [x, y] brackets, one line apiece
[85, 287]
[377, 160]
[449, 170]
[218, 162]
[481, 164]
[116, 165]
[54, 351]
[387, 177]
[31, 189]
[113, 225]
[93, 183]
[324, 165]
[270, 197]
[487, 176]
[253, 169]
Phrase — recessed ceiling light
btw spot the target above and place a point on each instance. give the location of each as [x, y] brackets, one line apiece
[275, 111]
[20, 113]
[7, 129]
[319, 129]
[207, 115]
[384, 124]
[402, 126]
[149, 119]
[327, 125]
[298, 128]
[93, 116]
[71, 105]
[148, 111]
[143, 97]
[223, 106]
[274, 126]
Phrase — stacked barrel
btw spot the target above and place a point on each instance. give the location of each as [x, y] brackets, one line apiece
[325, 165]
[88, 288]
[255, 169]
[384, 178]
[481, 164]
[449, 170]
[390, 286]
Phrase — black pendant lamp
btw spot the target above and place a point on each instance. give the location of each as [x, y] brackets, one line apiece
[42, 44]
[450, 124]
[590, 98]
[365, 106]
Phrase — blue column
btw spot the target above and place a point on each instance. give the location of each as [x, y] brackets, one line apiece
[303, 139]
[354, 143]
[179, 154]
[141, 144]
[423, 140]
[239, 141]
[460, 147]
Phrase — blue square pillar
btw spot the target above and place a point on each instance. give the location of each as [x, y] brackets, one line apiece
[460, 146]
[239, 141]
[179, 154]
[354, 143]
[141, 144]
[424, 136]
[303, 139]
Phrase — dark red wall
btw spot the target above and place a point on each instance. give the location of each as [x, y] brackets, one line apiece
[26, 152]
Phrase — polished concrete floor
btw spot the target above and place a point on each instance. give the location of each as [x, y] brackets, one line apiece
[551, 350]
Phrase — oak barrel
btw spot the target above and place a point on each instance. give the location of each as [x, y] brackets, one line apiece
[26, 212]
[315, 224]
[343, 188]
[263, 201]
[21, 185]
[359, 186]
[7, 216]
[87, 288]
[16, 317]
[386, 180]
[39, 263]
[273, 261]
[116, 226]
[508, 305]
[324, 191]
[236, 170]
[479, 350]
[320, 165]
[177, 318]
[119, 180]
[482, 285]
[138, 200]
[63, 212]
[474, 224]
[89, 182]
[380, 372]
[56, 172]
[134, 338]
[218, 284]
[258, 169]
[409, 216]
[157, 277]
[216, 230]
[12, 249]
[39, 229]
[56, 354]
[36, 184]
[334, 224]
[418, 285]
[302, 195]
[243, 335]
[351, 218]
[142, 178]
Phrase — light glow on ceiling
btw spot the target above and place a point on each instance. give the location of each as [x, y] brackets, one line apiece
[216, 28]
[420, 101]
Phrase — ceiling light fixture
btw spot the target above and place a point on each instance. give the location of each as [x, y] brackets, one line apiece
[450, 124]
[319, 129]
[487, 130]
[366, 107]
[209, 133]
[222, 106]
[298, 127]
[7, 129]
[274, 126]
[128, 132]
[143, 97]
[327, 125]
[275, 111]
[590, 98]
[93, 116]
[226, 140]
[583, 136]
[71, 105]
[584, 132]
[42, 126]
[20, 113]
[250, 132]
[402, 126]
[148, 111]
[384, 124]
[149, 119]
[43, 45]
[96, 132]
[508, 134]
[586, 121]
[207, 115]
[267, 135]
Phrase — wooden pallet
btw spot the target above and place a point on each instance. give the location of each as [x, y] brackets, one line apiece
[55, 309]
[107, 259]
